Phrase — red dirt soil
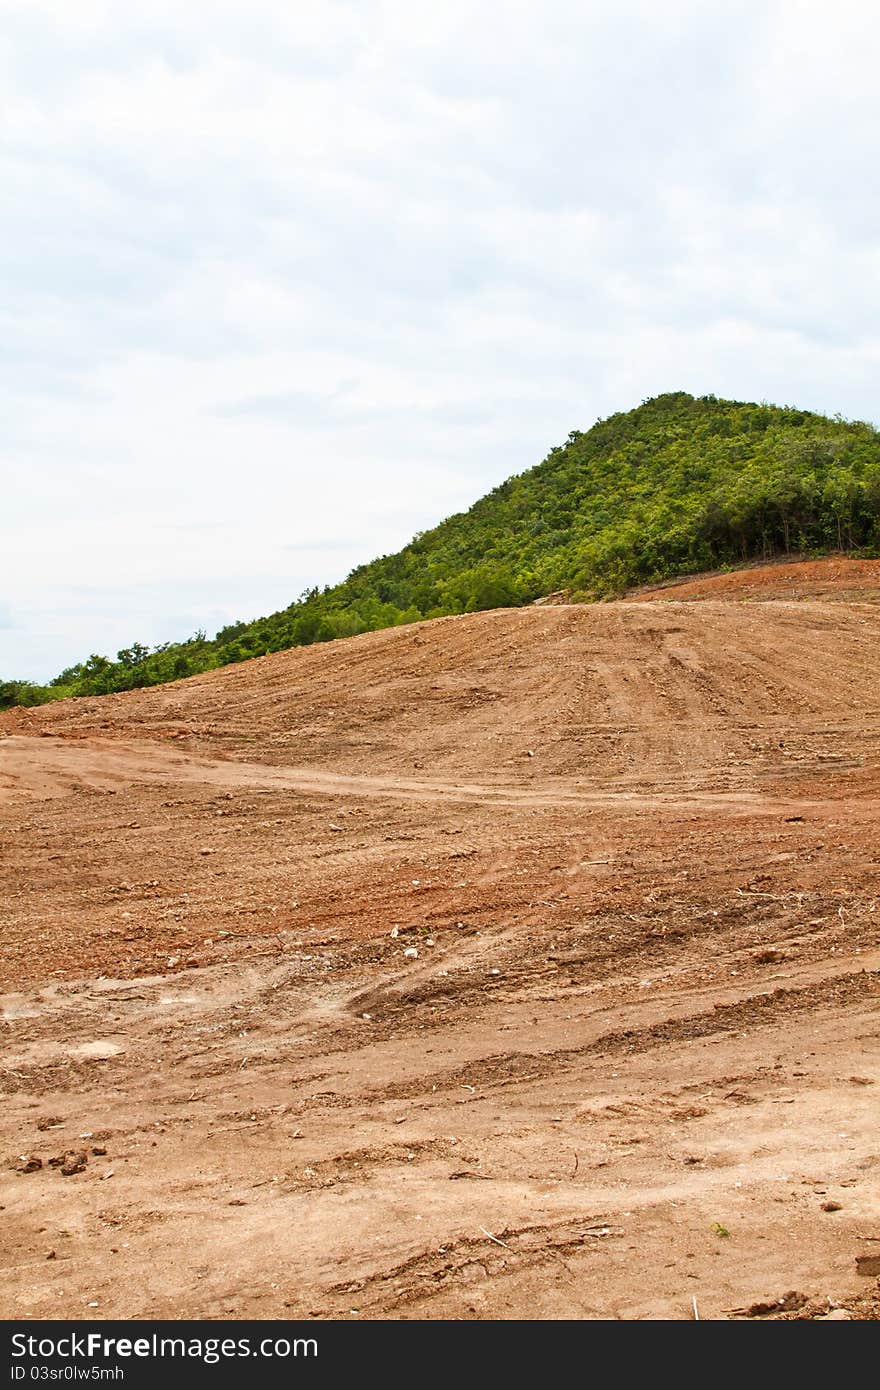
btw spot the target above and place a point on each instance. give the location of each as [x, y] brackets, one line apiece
[839, 579]
[555, 925]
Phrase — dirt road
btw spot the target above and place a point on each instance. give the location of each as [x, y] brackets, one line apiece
[523, 964]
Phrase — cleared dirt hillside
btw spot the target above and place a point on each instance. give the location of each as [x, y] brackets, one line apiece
[607, 694]
[523, 964]
[836, 579]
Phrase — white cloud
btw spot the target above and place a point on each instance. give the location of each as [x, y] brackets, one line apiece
[287, 283]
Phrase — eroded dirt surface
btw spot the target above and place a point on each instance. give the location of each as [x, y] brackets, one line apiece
[516, 965]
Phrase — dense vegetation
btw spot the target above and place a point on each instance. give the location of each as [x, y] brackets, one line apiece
[677, 486]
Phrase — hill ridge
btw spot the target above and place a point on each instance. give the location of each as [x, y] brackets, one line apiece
[678, 485]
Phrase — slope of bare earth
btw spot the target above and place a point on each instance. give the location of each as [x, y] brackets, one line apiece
[838, 579]
[522, 964]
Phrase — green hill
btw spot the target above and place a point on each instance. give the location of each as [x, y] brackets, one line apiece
[679, 485]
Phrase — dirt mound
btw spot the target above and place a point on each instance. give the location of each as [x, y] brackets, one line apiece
[838, 579]
[522, 964]
[623, 695]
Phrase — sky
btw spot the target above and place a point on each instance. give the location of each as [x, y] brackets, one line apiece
[283, 284]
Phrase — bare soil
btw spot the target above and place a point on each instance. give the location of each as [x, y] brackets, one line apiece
[517, 965]
[838, 579]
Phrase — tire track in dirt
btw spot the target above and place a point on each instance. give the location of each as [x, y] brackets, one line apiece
[41, 770]
[505, 1069]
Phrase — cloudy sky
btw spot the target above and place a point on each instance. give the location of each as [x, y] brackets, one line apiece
[284, 283]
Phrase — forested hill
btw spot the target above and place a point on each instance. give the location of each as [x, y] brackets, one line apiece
[679, 485]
